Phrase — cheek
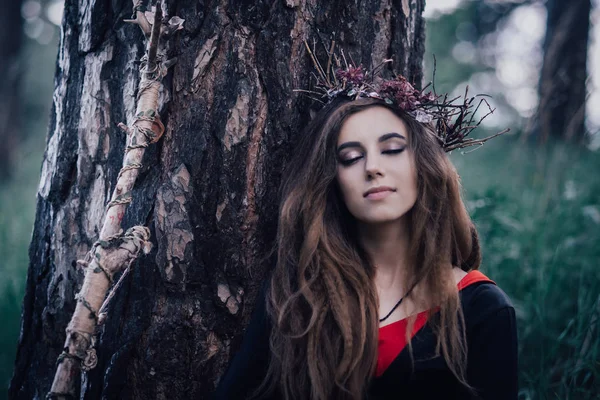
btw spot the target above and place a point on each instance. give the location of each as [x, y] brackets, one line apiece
[342, 182]
[413, 182]
[407, 179]
[345, 182]
[414, 188]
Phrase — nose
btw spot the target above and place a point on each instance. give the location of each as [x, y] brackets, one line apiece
[373, 168]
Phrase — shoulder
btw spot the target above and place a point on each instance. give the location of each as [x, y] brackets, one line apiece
[492, 341]
[484, 300]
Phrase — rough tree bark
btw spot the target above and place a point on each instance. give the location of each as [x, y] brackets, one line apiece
[11, 26]
[562, 87]
[208, 191]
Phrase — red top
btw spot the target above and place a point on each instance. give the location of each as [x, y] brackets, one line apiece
[392, 338]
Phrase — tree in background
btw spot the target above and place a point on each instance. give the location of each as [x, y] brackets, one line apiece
[561, 74]
[10, 44]
[208, 190]
[562, 87]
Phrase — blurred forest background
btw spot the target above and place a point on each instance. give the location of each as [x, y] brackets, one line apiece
[533, 193]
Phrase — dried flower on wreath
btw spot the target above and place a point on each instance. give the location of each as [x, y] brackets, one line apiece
[453, 119]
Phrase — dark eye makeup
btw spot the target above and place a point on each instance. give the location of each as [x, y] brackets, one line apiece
[353, 160]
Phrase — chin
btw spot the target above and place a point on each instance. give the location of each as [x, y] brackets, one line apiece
[381, 218]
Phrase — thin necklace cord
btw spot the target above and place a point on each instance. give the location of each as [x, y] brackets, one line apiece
[398, 303]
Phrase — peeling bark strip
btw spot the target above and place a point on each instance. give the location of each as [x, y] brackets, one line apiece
[173, 228]
[208, 190]
[114, 251]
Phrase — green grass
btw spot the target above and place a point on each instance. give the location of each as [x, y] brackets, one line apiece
[538, 214]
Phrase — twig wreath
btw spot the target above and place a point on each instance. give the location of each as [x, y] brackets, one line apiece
[453, 118]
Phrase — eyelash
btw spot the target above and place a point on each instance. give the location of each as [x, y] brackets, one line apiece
[353, 160]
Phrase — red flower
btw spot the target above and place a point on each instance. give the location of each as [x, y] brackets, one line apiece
[406, 96]
[427, 97]
[352, 75]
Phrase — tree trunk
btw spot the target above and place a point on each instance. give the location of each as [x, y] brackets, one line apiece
[208, 189]
[11, 28]
[562, 87]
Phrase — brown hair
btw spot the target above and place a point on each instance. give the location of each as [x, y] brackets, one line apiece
[322, 299]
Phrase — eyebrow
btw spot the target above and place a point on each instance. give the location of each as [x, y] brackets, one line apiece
[382, 138]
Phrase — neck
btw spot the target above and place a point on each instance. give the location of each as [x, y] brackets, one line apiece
[387, 246]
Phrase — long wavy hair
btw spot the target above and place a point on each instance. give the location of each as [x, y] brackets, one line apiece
[322, 299]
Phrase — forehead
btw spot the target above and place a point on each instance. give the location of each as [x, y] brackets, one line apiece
[370, 124]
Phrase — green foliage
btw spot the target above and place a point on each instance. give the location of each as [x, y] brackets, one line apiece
[18, 195]
[10, 306]
[17, 211]
[439, 41]
[538, 214]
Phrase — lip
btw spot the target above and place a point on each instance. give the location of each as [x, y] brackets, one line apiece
[378, 192]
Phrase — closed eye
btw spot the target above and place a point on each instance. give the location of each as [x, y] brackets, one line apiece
[394, 151]
[349, 161]
[353, 160]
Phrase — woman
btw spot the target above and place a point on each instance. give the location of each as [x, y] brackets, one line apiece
[375, 293]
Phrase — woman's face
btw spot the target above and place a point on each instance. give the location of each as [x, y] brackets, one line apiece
[372, 152]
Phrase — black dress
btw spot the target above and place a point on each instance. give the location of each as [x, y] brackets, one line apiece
[491, 363]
